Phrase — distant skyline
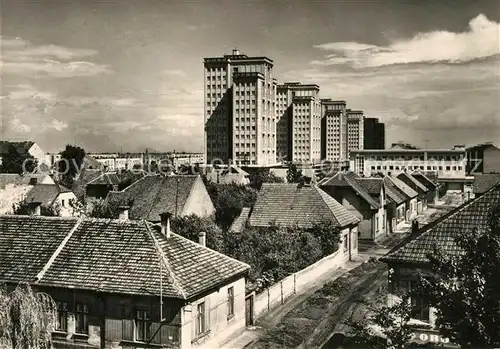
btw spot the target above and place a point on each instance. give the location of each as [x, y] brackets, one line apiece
[129, 74]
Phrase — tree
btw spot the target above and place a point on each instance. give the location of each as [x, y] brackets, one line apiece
[27, 319]
[23, 208]
[190, 226]
[15, 161]
[262, 175]
[464, 287]
[388, 327]
[293, 174]
[70, 165]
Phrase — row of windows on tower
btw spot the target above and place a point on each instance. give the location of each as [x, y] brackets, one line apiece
[214, 86]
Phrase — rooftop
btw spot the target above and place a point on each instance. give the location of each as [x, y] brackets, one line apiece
[417, 186]
[154, 194]
[484, 182]
[108, 256]
[45, 193]
[289, 204]
[349, 179]
[442, 232]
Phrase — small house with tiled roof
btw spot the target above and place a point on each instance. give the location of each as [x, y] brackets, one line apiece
[100, 186]
[346, 189]
[431, 185]
[183, 195]
[414, 184]
[125, 284]
[52, 196]
[411, 255]
[303, 206]
[411, 196]
[14, 187]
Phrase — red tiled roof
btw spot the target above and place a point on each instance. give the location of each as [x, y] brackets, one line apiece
[442, 232]
[289, 204]
[109, 256]
[155, 194]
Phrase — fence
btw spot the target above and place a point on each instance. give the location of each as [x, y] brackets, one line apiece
[283, 289]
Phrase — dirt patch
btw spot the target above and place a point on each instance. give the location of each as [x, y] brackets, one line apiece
[298, 324]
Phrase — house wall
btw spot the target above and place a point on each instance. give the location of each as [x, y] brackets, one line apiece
[37, 153]
[63, 200]
[357, 207]
[491, 160]
[199, 202]
[220, 327]
[111, 319]
[412, 208]
[12, 194]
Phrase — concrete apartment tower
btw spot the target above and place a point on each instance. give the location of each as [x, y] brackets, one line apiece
[355, 130]
[299, 123]
[334, 131]
[240, 114]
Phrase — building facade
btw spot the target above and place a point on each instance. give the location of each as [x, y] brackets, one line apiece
[240, 110]
[374, 134]
[355, 130]
[334, 130]
[483, 158]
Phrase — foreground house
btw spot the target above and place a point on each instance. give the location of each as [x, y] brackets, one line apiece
[52, 196]
[304, 205]
[152, 195]
[14, 187]
[345, 188]
[125, 284]
[406, 259]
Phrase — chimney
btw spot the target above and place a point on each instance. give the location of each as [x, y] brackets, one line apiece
[236, 52]
[35, 208]
[123, 212]
[414, 227]
[202, 238]
[165, 224]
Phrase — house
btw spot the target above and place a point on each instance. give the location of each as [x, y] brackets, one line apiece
[483, 158]
[421, 189]
[427, 180]
[396, 206]
[484, 182]
[14, 187]
[125, 284]
[227, 175]
[148, 197]
[23, 147]
[304, 205]
[53, 196]
[406, 260]
[345, 188]
[411, 197]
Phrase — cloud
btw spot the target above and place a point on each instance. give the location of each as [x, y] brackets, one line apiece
[20, 57]
[175, 72]
[480, 41]
[18, 126]
[58, 125]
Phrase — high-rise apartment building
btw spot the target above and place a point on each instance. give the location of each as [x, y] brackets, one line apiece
[355, 130]
[374, 134]
[240, 114]
[334, 130]
[299, 122]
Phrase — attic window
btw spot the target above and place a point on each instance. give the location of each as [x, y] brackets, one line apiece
[33, 181]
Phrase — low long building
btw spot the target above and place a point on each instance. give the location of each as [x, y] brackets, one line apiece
[448, 164]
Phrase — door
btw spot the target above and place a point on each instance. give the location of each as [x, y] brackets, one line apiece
[249, 310]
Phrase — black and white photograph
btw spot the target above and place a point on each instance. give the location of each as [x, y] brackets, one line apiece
[249, 174]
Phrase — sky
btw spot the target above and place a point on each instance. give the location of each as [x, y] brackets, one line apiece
[128, 75]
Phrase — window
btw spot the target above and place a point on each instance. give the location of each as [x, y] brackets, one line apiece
[420, 309]
[200, 319]
[346, 243]
[62, 316]
[142, 325]
[230, 302]
[81, 314]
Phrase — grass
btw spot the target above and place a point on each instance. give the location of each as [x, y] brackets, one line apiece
[300, 322]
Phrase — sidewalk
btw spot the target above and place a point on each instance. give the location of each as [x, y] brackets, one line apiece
[273, 317]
